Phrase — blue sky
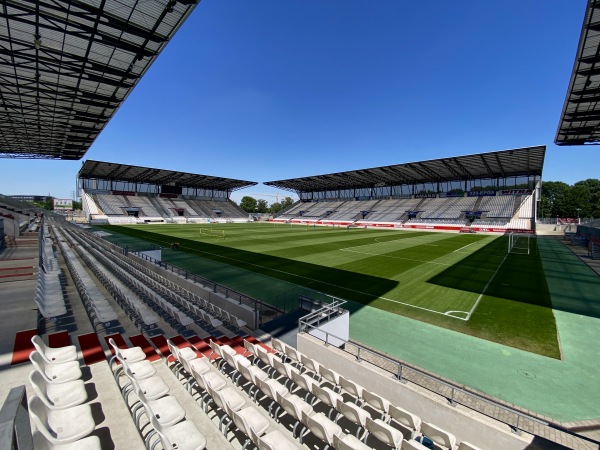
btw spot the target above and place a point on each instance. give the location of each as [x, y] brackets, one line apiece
[265, 90]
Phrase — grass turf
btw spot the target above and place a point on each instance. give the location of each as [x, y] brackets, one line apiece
[438, 278]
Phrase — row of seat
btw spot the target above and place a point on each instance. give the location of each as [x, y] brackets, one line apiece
[394, 423]
[226, 400]
[183, 299]
[49, 296]
[58, 409]
[97, 306]
[152, 401]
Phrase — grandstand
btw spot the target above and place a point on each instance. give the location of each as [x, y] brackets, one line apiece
[106, 348]
[489, 192]
[119, 194]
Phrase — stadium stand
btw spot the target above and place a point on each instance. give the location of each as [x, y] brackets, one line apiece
[121, 194]
[400, 196]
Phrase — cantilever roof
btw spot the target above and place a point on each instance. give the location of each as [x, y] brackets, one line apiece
[137, 174]
[518, 162]
[580, 118]
[66, 67]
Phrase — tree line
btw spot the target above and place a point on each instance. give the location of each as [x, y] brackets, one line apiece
[560, 199]
[252, 205]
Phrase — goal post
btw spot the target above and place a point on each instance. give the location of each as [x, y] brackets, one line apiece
[519, 243]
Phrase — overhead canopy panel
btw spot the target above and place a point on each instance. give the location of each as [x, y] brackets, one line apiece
[144, 175]
[580, 119]
[66, 67]
[527, 161]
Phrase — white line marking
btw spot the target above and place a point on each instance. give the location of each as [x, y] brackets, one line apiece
[458, 250]
[485, 289]
[451, 314]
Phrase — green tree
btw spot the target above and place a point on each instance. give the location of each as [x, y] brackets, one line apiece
[248, 204]
[76, 205]
[275, 208]
[286, 202]
[262, 206]
[553, 196]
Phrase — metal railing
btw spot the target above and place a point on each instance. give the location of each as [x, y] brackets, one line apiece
[517, 420]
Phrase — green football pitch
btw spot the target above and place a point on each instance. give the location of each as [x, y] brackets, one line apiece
[465, 282]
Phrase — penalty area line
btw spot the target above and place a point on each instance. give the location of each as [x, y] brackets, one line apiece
[472, 310]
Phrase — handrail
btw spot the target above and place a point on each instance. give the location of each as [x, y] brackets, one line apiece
[454, 394]
[15, 429]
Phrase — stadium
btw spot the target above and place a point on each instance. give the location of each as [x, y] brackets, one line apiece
[415, 305]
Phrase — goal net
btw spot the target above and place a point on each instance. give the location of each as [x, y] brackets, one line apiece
[519, 243]
[212, 233]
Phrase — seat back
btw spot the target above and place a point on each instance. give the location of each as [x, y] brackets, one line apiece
[174, 350]
[412, 445]
[278, 346]
[309, 363]
[216, 348]
[264, 356]
[246, 373]
[351, 387]
[438, 436]
[405, 418]
[280, 367]
[292, 353]
[249, 346]
[241, 423]
[375, 401]
[353, 413]
[39, 344]
[385, 433]
[329, 375]
[40, 386]
[38, 363]
[351, 443]
[323, 395]
[39, 415]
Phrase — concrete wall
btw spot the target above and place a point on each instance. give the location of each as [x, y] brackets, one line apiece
[244, 312]
[464, 423]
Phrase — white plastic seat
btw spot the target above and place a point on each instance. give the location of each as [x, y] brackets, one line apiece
[181, 354]
[310, 364]
[412, 445]
[352, 388]
[329, 375]
[354, 414]
[167, 409]
[405, 418]
[181, 436]
[58, 395]
[272, 388]
[295, 407]
[252, 374]
[228, 400]
[54, 355]
[265, 357]
[349, 442]
[326, 396]
[128, 355]
[55, 372]
[376, 402]
[141, 369]
[275, 440]
[278, 346]
[153, 387]
[284, 369]
[43, 442]
[250, 350]
[385, 433]
[321, 427]
[305, 382]
[65, 425]
[467, 446]
[238, 322]
[440, 437]
[293, 354]
[251, 422]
